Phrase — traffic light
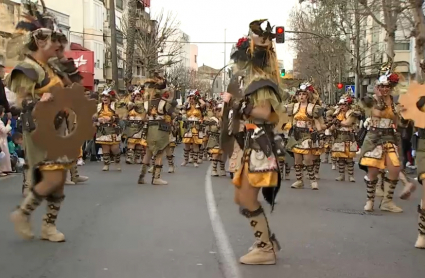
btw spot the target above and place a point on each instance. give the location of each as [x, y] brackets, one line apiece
[282, 73]
[340, 86]
[280, 34]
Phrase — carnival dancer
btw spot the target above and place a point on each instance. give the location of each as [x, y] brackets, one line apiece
[158, 129]
[380, 147]
[328, 137]
[420, 162]
[344, 147]
[317, 152]
[108, 130]
[70, 74]
[259, 108]
[193, 137]
[171, 120]
[303, 140]
[209, 112]
[213, 145]
[136, 127]
[38, 36]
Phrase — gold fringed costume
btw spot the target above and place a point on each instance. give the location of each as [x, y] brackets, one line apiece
[261, 171]
[381, 142]
[24, 84]
[136, 127]
[344, 147]
[108, 133]
[193, 134]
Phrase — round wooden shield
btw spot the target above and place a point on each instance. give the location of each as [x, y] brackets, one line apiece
[46, 136]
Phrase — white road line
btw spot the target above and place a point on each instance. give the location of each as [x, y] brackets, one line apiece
[227, 258]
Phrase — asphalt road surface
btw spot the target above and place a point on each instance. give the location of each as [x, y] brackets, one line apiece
[118, 229]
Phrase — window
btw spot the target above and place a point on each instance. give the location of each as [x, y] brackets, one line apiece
[137, 70]
[120, 38]
[98, 17]
[99, 56]
[119, 4]
[196, 56]
[120, 73]
[402, 46]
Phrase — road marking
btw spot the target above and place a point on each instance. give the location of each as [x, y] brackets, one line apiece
[227, 258]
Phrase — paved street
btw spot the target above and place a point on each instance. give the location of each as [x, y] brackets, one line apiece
[116, 228]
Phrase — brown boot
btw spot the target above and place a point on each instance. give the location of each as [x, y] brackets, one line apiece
[263, 253]
[171, 168]
[75, 176]
[312, 177]
[420, 242]
[21, 216]
[130, 155]
[201, 155]
[142, 175]
[350, 171]
[299, 174]
[387, 203]
[370, 189]
[195, 160]
[334, 163]
[186, 157]
[222, 169]
[106, 161]
[156, 177]
[214, 172]
[380, 185]
[316, 164]
[138, 156]
[48, 229]
[117, 160]
[150, 170]
[341, 169]
[287, 171]
[26, 183]
[409, 187]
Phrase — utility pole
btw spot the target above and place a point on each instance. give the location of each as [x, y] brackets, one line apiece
[114, 55]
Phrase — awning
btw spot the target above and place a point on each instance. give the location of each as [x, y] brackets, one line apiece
[88, 80]
[77, 47]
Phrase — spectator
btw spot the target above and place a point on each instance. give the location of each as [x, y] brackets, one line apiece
[3, 98]
[16, 152]
[5, 165]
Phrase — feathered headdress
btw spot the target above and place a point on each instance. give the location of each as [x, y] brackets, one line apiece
[108, 92]
[346, 99]
[387, 77]
[34, 23]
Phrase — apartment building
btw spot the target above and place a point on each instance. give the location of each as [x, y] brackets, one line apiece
[9, 17]
[144, 25]
[372, 53]
[194, 57]
[120, 9]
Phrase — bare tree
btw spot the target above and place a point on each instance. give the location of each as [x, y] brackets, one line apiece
[390, 9]
[160, 45]
[338, 27]
[131, 39]
[179, 76]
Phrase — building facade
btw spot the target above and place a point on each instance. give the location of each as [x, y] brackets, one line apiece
[194, 57]
[214, 79]
[9, 17]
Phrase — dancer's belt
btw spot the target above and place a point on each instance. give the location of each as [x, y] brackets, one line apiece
[382, 131]
[162, 125]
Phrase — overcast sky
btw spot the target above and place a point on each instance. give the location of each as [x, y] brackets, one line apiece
[205, 21]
